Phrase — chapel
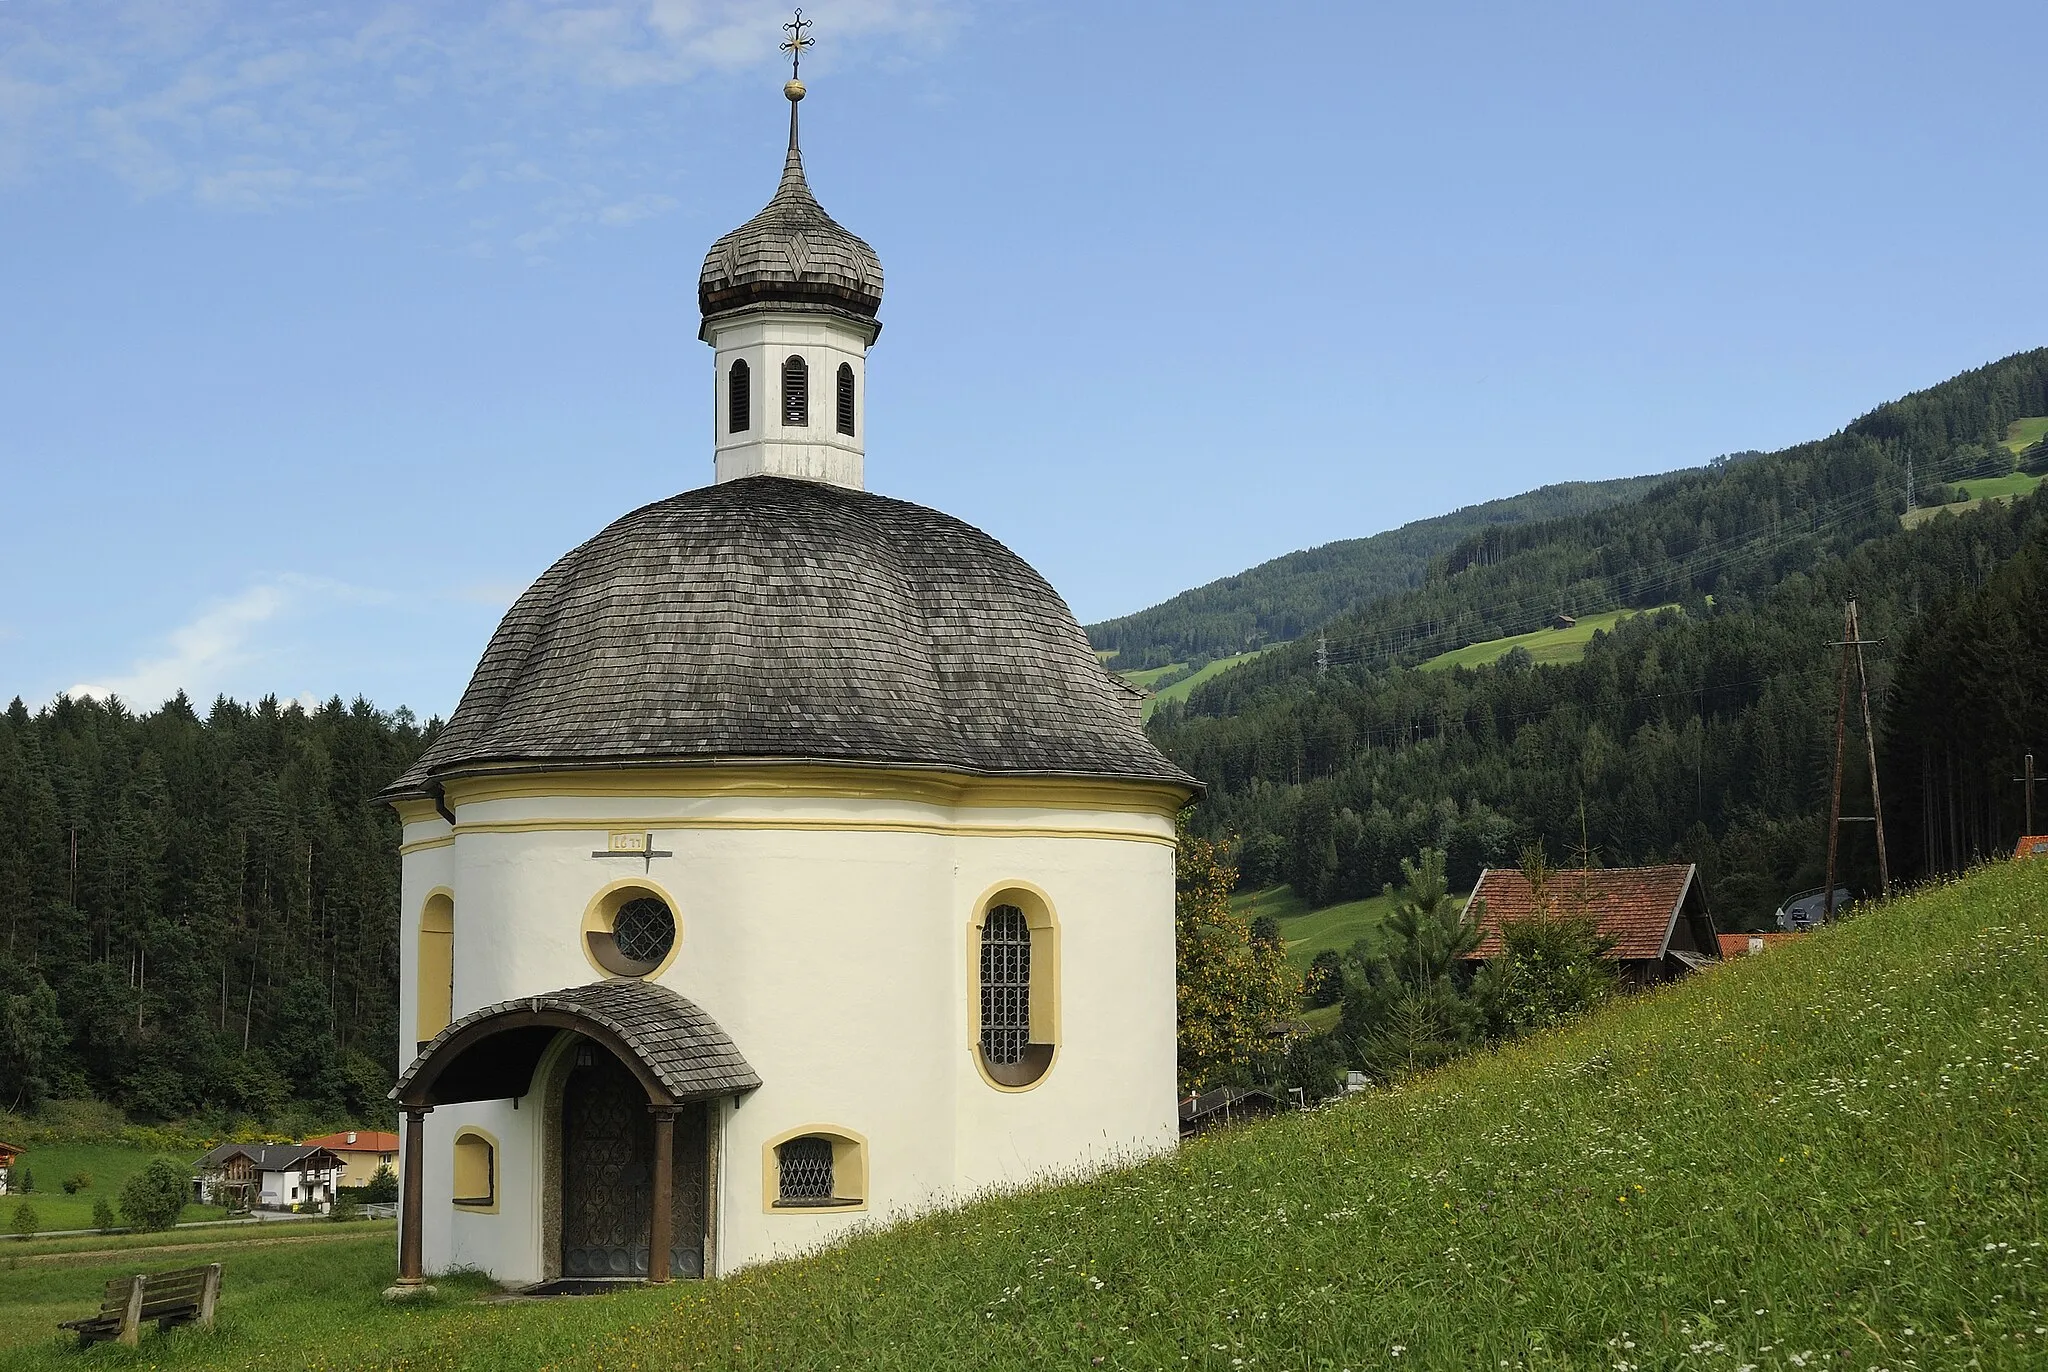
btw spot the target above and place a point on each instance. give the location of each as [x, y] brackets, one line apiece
[790, 862]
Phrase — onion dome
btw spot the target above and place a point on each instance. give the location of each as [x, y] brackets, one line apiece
[777, 620]
[791, 254]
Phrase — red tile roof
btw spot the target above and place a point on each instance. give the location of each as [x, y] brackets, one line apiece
[1632, 905]
[367, 1141]
[2033, 845]
[8, 1152]
[1737, 945]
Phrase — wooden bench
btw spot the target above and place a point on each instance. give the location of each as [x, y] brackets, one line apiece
[186, 1296]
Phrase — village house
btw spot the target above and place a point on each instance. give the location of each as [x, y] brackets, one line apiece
[1656, 916]
[362, 1152]
[9, 1155]
[268, 1176]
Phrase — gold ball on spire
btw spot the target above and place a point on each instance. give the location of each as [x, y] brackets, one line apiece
[794, 89]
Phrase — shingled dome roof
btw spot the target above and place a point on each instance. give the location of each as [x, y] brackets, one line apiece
[791, 254]
[782, 620]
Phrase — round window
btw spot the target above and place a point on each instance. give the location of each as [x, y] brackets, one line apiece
[641, 935]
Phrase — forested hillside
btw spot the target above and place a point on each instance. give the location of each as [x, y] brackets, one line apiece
[1702, 734]
[198, 916]
[1293, 595]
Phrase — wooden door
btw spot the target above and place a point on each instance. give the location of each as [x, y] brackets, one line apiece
[608, 1176]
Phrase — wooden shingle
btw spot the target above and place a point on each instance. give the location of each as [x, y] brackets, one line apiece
[779, 620]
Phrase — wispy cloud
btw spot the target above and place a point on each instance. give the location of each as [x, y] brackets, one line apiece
[247, 107]
[202, 653]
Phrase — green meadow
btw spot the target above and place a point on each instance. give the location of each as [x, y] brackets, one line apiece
[2023, 434]
[108, 1164]
[1976, 492]
[1306, 931]
[1831, 1155]
[1544, 645]
[1183, 688]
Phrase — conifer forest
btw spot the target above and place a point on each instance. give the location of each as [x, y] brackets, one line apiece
[200, 912]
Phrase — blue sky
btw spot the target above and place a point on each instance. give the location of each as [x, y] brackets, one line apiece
[323, 329]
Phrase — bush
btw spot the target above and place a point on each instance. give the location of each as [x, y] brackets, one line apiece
[76, 1182]
[103, 1215]
[154, 1197]
[1325, 981]
[25, 1224]
[383, 1187]
[1551, 968]
[28, 1181]
[345, 1207]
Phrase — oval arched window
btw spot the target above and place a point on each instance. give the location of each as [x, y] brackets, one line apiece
[739, 398]
[796, 392]
[843, 410]
[1015, 1011]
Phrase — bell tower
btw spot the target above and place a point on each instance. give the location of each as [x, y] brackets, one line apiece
[789, 300]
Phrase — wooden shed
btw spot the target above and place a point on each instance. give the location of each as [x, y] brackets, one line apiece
[1657, 916]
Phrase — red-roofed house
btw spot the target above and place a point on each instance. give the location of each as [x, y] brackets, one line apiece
[1742, 945]
[1657, 916]
[362, 1152]
[9, 1154]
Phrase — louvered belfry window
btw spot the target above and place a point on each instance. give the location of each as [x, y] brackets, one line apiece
[739, 398]
[845, 406]
[805, 1165]
[1005, 985]
[796, 392]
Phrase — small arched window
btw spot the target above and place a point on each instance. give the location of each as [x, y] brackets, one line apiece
[476, 1170]
[817, 1168]
[739, 398]
[796, 392]
[434, 984]
[843, 411]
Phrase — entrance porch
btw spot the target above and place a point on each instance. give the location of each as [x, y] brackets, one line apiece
[618, 1081]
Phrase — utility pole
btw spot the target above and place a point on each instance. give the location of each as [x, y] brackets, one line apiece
[2027, 780]
[1909, 483]
[1852, 646]
[1322, 654]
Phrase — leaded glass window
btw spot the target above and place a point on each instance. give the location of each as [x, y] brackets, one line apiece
[1005, 985]
[644, 930]
[806, 1169]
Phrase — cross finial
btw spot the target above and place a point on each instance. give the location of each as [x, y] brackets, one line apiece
[797, 41]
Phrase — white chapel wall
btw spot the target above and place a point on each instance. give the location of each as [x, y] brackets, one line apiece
[838, 960]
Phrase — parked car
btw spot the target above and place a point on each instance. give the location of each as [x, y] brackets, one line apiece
[1809, 909]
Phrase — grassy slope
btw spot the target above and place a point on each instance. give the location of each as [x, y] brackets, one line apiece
[1181, 689]
[1307, 932]
[2022, 434]
[110, 1165]
[1545, 645]
[1979, 489]
[1152, 674]
[1835, 1148]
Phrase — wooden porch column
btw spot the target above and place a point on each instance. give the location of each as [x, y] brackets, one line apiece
[661, 1223]
[414, 1163]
